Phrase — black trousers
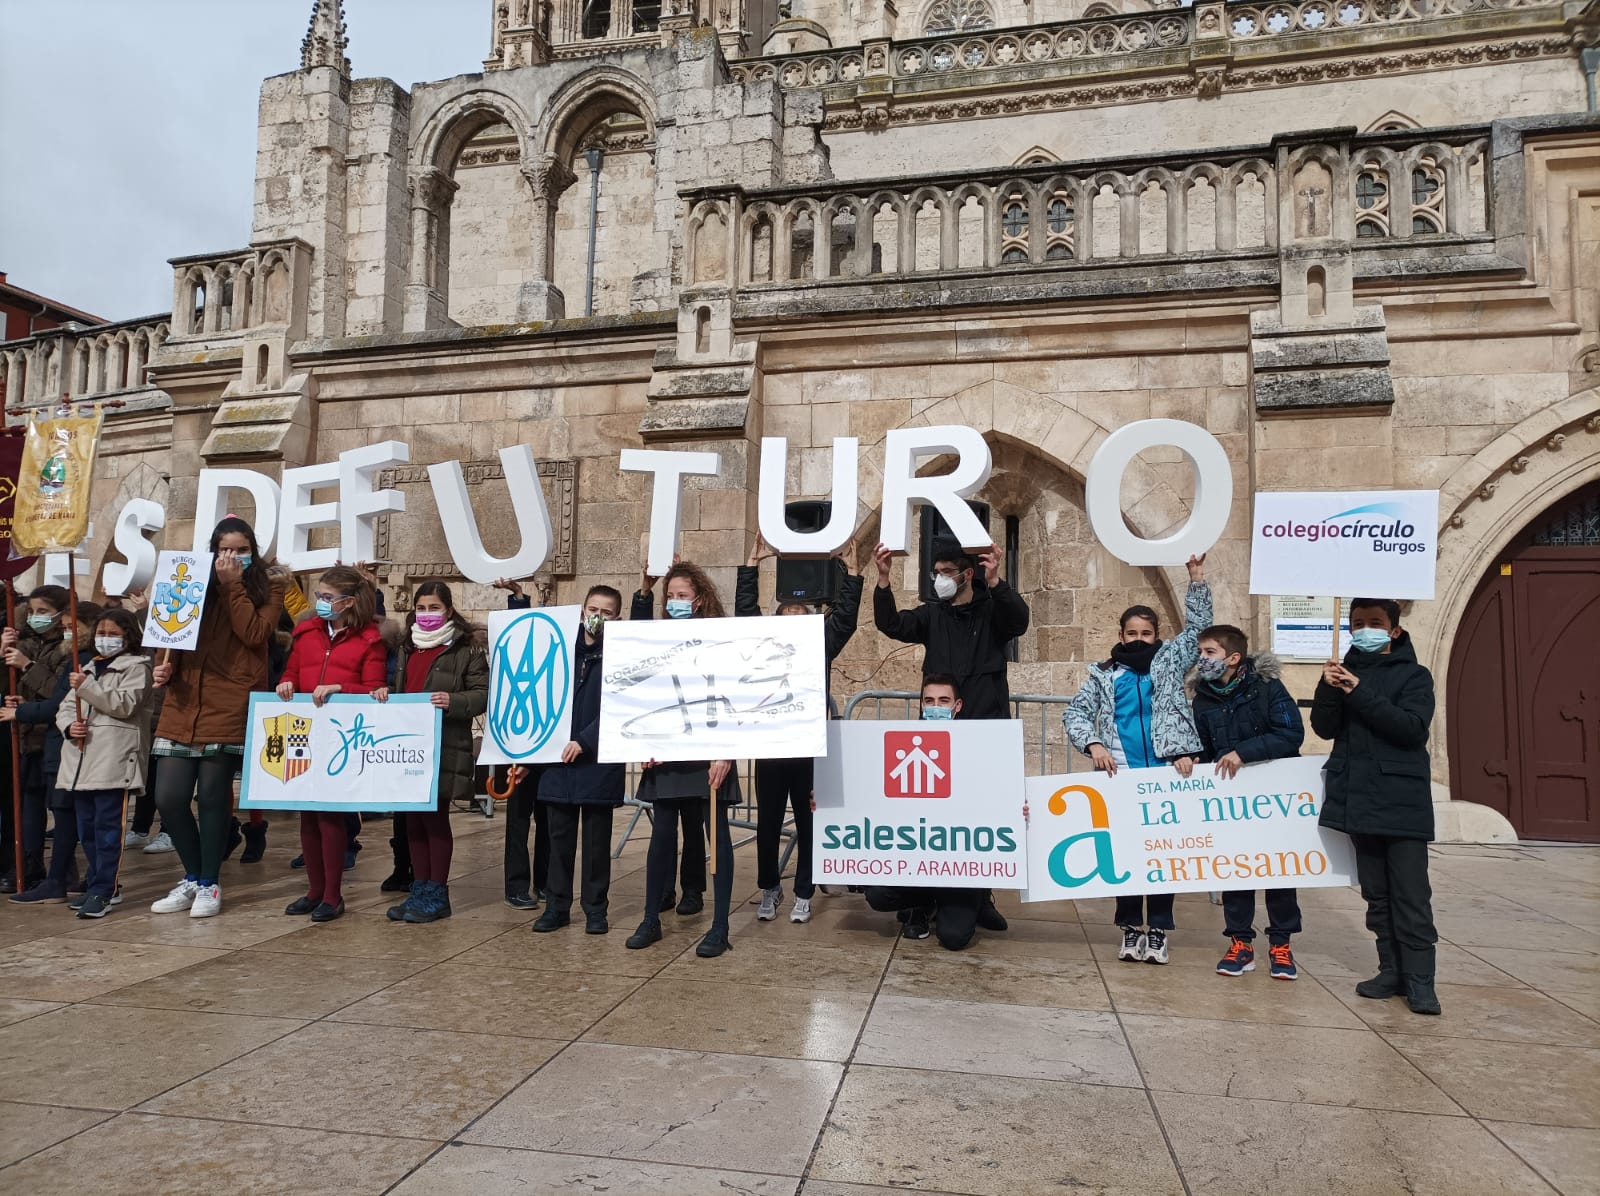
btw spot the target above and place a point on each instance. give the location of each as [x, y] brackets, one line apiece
[144, 802]
[659, 864]
[1394, 880]
[783, 785]
[35, 814]
[1239, 914]
[565, 820]
[525, 873]
[955, 910]
[1131, 911]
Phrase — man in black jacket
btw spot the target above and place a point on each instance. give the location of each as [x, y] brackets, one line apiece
[787, 783]
[1376, 707]
[965, 633]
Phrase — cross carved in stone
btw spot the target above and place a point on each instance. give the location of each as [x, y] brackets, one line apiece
[1315, 215]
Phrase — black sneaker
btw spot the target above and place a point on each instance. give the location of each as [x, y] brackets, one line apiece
[713, 945]
[46, 892]
[692, 903]
[596, 924]
[522, 901]
[551, 919]
[299, 861]
[918, 924]
[94, 907]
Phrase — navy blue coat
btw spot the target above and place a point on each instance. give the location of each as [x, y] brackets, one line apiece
[1379, 777]
[586, 782]
[1258, 718]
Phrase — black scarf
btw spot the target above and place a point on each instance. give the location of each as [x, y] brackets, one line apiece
[1135, 656]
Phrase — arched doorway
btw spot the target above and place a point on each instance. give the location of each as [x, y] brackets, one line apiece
[1524, 683]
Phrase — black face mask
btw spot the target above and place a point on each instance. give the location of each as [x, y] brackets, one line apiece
[1135, 656]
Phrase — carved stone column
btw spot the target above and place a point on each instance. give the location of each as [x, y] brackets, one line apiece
[538, 298]
[428, 289]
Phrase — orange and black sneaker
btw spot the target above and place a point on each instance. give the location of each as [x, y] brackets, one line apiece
[1241, 958]
[1283, 962]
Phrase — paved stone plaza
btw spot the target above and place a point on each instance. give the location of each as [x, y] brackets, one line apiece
[258, 1053]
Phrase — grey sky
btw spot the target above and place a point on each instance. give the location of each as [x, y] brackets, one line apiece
[128, 127]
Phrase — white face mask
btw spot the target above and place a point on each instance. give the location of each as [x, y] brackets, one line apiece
[107, 645]
[945, 588]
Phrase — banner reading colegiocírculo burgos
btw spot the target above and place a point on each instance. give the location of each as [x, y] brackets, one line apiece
[351, 753]
[1148, 830]
[929, 804]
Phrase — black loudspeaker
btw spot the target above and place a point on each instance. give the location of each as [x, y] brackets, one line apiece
[801, 580]
[933, 526]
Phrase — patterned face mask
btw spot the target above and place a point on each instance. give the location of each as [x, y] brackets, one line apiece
[1211, 668]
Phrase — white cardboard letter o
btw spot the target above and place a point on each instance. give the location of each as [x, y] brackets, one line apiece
[1213, 491]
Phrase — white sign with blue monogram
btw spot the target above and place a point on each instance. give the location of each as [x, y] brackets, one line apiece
[531, 685]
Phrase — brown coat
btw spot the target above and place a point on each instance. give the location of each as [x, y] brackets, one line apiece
[208, 698]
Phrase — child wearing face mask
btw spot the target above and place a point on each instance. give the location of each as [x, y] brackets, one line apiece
[1133, 712]
[41, 652]
[786, 784]
[440, 656]
[1244, 715]
[685, 789]
[339, 650]
[953, 914]
[1376, 706]
[104, 754]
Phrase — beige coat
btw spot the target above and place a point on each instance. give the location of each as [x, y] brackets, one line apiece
[115, 707]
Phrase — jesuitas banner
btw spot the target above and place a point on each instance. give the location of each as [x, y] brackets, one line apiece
[934, 804]
[351, 753]
[1148, 830]
[177, 600]
[52, 503]
[714, 689]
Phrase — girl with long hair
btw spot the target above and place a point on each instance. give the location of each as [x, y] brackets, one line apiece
[441, 656]
[200, 738]
[339, 650]
[683, 789]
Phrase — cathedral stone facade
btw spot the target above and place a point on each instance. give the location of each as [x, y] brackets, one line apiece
[1357, 240]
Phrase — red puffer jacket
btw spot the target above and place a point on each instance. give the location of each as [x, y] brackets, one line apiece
[354, 660]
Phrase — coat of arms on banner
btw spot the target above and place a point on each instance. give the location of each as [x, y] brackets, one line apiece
[287, 751]
[178, 600]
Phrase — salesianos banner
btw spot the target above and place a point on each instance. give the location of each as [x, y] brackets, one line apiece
[921, 803]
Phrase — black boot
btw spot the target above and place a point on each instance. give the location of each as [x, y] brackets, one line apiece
[397, 882]
[1387, 982]
[255, 842]
[235, 837]
[1420, 996]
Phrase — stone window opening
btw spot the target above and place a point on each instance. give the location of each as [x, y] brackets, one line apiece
[1427, 198]
[1372, 201]
[263, 360]
[957, 16]
[225, 314]
[1059, 219]
[646, 15]
[702, 330]
[1097, 11]
[199, 324]
[596, 19]
[1014, 229]
[1316, 292]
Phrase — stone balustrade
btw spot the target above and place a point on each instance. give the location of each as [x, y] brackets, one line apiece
[105, 359]
[1369, 189]
[222, 294]
[1096, 44]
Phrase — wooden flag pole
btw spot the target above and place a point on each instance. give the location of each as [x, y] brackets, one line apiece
[16, 747]
[72, 615]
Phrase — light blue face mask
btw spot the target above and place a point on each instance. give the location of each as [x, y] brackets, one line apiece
[41, 623]
[679, 608]
[324, 609]
[1369, 639]
[246, 560]
[938, 713]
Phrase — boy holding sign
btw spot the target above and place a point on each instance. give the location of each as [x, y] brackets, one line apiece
[1245, 715]
[1377, 706]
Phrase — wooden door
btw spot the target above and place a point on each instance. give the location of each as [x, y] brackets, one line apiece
[1524, 692]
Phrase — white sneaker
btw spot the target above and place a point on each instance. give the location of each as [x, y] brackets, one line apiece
[134, 839]
[162, 842]
[1133, 945]
[801, 911]
[180, 899]
[116, 896]
[207, 902]
[1155, 950]
[771, 899]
